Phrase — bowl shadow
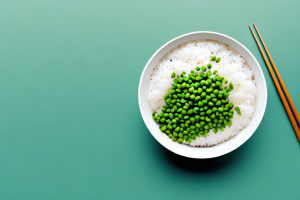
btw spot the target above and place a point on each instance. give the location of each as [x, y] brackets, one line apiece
[199, 165]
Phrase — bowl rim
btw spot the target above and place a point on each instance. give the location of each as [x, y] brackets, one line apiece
[206, 32]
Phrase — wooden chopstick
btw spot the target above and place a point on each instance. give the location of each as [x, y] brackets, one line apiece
[286, 106]
[280, 80]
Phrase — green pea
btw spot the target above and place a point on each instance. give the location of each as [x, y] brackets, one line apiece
[218, 59]
[175, 134]
[231, 86]
[226, 88]
[197, 98]
[187, 95]
[206, 127]
[186, 117]
[191, 89]
[197, 117]
[202, 113]
[215, 72]
[218, 83]
[170, 135]
[202, 123]
[208, 73]
[200, 90]
[203, 94]
[220, 109]
[214, 100]
[198, 78]
[226, 109]
[208, 65]
[214, 109]
[179, 110]
[205, 107]
[213, 58]
[209, 111]
[202, 118]
[190, 81]
[185, 107]
[200, 103]
[183, 112]
[216, 91]
[174, 121]
[192, 119]
[215, 130]
[207, 98]
[210, 103]
[169, 126]
[220, 95]
[174, 138]
[192, 96]
[209, 90]
[231, 105]
[190, 111]
[193, 127]
[213, 116]
[164, 128]
[224, 101]
[225, 113]
[204, 87]
[195, 110]
[218, 103]
[203, 68]
[197, 68]
[173, 75]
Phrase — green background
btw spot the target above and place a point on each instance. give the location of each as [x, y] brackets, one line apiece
[70, 125]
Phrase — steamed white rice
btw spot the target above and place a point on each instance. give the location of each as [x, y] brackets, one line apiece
[233, 66]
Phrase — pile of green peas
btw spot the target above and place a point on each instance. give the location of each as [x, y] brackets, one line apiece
[195, 104]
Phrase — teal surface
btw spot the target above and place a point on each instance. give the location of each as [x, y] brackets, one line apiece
[70, 125]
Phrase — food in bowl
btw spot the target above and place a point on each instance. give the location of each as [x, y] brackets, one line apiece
[222, 115]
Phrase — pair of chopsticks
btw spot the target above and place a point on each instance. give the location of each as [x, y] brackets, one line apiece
[283, 93]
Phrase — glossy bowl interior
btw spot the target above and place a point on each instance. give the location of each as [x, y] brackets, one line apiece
[220, 149]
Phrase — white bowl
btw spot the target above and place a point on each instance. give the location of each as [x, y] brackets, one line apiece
[220, 149]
